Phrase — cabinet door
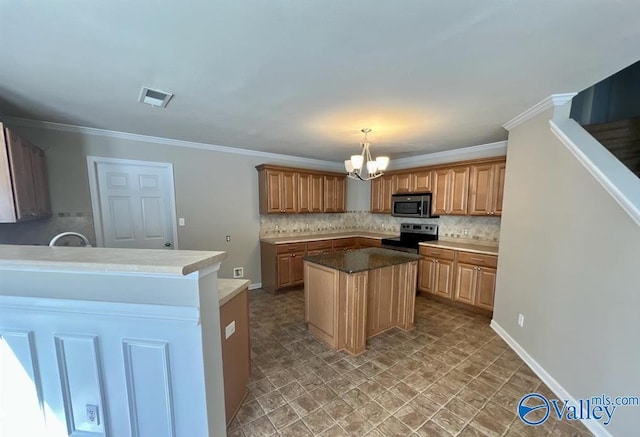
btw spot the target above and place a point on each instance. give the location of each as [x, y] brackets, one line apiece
[498, 187]
[19, 152]
[368, 242]
[426, 275]
[422, 182]
[334, 193]
[459, 190]
[387, 189]
[273, 182]
[289, 191]
[443, 283]
[316, 193]
[440, 199]
[481, 189]
[297, 268]
[465, 283]
[285, 270]
[485, 288]
[403, 183]
[304, 192]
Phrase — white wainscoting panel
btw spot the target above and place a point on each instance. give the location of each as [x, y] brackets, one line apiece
[149, 388]
[81, 379]
[21, 401]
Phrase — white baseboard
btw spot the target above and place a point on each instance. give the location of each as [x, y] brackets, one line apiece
[595, 427]
[255, 286]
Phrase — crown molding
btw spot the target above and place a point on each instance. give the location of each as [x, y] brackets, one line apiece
[552, 101]
[167, 141]
[480, 151]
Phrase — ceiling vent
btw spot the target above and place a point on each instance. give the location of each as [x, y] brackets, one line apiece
[156, 98]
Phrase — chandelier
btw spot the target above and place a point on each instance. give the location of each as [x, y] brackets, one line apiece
[374, 167]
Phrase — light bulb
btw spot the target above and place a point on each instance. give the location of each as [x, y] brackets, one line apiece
[383, 162]
[357, 161]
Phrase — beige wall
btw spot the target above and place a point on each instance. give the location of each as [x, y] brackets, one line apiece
[569, 262]
[216, 193]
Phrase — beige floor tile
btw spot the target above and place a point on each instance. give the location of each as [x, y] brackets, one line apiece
[374, 413]
[411, 417]
[431, 429]
[449, 421]
[282, 416]
[392, 427]
[355, 424]
[338, 409]
[296, 429]
[259, 428]
[318, 421]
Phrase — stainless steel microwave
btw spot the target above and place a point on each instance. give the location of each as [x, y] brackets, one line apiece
[411, 205]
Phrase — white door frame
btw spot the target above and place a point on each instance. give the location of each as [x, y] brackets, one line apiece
[92, 163]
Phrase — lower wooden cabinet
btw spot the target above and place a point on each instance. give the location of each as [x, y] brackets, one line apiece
[463, 277]
[283, 266]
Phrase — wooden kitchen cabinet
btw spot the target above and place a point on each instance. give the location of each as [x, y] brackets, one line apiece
[476, 280]
[281, 265]
[413, 182]
[436, 271]
[486, 189]
[310, 193]
[24, 189]
[287, 190]
[381, 190]
[319, 247]
[278, 191]
[364, 242]
[450, 191]
[345, 244]
[335, 188]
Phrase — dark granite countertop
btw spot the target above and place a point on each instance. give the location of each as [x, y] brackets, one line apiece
[354, 261]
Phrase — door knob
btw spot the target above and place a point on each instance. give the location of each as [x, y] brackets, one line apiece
[167, 244]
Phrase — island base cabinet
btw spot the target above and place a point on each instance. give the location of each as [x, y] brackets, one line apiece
[235, 353]
[344, 309]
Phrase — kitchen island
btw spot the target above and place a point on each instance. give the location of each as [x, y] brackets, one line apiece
[97, 341]
[354, 295]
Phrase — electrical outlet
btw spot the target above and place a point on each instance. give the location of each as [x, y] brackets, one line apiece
[466, 232]
[229, 329]
[238, 272]
[520, 320]
[181, 221]
[228, 238]
[92, 414]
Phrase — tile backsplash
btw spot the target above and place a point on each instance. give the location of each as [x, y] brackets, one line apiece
[478, 228]
[40, 232]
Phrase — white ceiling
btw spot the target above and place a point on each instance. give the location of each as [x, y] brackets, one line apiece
[302, 77]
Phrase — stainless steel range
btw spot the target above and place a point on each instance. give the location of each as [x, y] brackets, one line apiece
[411, 234]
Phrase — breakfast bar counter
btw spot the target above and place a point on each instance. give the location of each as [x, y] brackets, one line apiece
[354, 295]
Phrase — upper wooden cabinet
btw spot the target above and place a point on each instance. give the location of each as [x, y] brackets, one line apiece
[381, 190]
[413, 182]
[335, 188]
[486, 188]
[284, 190]
[24, 189]
[450, 191]
[310, 192]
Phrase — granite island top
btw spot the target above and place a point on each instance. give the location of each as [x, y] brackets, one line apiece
[103, 260]
[354, 261]
[326, 236]
[485, 249]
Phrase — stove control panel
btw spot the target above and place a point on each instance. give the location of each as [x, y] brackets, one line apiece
[418, 228]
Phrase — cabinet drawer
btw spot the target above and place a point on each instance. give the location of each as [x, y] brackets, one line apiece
[293, 247]
[342, 243]
[319, 245]
[478, 259]
[434, 252]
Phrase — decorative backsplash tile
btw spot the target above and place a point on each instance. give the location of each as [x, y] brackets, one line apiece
[40, 232]
[478, 228]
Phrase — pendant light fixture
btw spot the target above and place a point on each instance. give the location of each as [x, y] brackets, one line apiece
[374, 167]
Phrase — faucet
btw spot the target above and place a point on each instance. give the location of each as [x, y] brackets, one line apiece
[84, 239]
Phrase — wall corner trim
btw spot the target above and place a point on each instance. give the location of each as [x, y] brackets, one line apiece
[548, 103]
[595, 427]
[616, 169]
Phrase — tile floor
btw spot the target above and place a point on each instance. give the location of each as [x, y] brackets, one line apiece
[451, 376]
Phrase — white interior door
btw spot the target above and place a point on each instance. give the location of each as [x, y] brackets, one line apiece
[133, 203]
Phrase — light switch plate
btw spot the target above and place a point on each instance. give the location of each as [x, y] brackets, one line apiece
[229, 329]
[181, 221]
